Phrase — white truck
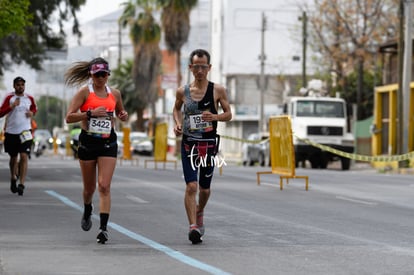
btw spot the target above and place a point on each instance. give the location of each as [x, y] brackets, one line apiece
[321, 120]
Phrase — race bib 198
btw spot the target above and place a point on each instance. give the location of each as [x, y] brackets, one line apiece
[100, 126]
[197, 123]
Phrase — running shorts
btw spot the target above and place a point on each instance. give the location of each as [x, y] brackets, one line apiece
[13, 145]
[198, 160]
[92, 147]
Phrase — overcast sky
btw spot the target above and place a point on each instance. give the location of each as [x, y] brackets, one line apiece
[96, 8]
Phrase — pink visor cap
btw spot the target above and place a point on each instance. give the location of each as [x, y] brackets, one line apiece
[100, 67]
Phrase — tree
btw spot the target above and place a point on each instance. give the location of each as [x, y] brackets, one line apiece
[30, 44]
[14, 16]
[145, 35]
[176, 26]
[347, 34]
[49, 112]
[121, 78]
[367, 102]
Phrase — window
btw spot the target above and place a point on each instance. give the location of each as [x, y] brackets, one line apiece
[310, 108]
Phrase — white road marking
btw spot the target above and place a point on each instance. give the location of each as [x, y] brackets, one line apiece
[356, 200]
[136, 199]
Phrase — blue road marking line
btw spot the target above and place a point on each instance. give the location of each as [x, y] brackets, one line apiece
[157, 246]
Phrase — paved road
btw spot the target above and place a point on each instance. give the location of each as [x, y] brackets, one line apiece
[354, 222]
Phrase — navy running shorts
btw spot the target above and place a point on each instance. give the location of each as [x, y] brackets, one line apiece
[198, 160]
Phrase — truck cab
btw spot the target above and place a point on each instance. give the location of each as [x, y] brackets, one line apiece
[321, 120]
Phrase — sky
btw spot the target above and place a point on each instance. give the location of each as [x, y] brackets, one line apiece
[97, 8]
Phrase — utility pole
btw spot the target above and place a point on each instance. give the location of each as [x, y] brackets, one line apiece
[119, 44]
[405, 92]
[262, 57]
[304, 45]
[400, 77]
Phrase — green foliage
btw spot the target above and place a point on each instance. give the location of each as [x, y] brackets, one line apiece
[146, 29]
[139, 16]
[121, 78]
[349, 90]
[49, 112]
[140, 76]
[30, 45]
[14, 17]
[145, 34]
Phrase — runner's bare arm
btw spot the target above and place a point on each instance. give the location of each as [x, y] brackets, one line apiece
[177, 114]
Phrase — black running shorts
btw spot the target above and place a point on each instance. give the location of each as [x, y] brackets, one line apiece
[91, 147]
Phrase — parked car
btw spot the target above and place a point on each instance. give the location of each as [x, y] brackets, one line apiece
[141, 143]
[120, 141]
[43, 136]
[61, 139]
[256, 150]
[42, 141]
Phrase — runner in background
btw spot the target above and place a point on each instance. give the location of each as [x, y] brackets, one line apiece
[19, 109]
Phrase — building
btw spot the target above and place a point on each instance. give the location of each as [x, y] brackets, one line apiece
[243, 32]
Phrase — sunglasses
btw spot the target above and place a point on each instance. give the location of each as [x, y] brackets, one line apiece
[198, 67]
[101, 74]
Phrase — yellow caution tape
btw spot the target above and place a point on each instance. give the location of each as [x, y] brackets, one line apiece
[232, 138]
[175, 138]
[245, 140]
[354, 156]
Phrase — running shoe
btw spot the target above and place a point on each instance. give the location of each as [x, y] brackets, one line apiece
[86, 223]
[200, 223]
[20, 189]
[102, 237]
[194, 235]
[13, 186]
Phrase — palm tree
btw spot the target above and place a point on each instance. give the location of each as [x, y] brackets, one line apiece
[175, 20]
[145, 34]
[121, 78]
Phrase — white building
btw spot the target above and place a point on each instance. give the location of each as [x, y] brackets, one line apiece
[241, 31]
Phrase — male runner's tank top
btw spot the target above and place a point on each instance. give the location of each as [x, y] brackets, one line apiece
[194, 126]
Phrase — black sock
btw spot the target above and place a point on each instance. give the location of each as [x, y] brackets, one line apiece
[104, 220]
[87, 210]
